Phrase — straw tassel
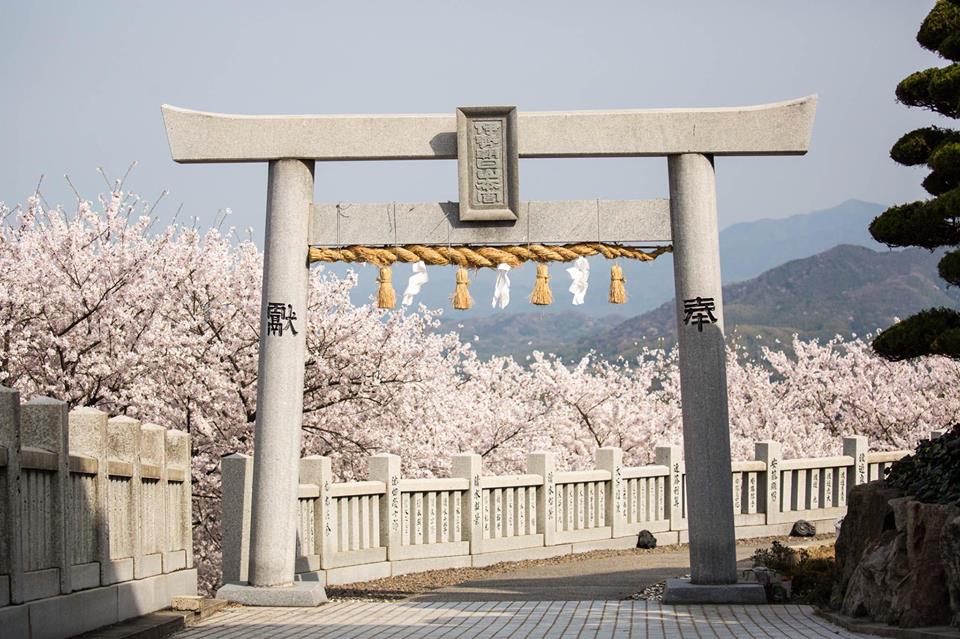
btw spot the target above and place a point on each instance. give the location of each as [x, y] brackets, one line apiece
[461, 296]
[541, 289]
[386, 297]
[618, 294]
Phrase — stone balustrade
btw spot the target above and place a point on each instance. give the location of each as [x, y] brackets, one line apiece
[95, 517]
[389, 525]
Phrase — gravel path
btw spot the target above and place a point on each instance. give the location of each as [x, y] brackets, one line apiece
[592, 566]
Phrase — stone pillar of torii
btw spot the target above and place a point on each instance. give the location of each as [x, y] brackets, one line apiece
[292, 145]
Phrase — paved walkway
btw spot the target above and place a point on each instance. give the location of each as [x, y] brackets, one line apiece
[517, 620]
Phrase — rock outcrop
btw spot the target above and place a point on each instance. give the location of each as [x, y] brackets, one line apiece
[896, 558]
[950, 544]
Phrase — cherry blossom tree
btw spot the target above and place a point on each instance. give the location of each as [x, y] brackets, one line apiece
[98, 308]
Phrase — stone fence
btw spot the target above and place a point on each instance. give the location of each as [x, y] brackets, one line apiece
[95, 518]
[389, 525]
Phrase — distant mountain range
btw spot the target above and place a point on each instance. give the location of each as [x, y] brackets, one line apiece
[843, 289]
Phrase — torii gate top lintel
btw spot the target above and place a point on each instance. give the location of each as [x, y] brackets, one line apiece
[780, 128]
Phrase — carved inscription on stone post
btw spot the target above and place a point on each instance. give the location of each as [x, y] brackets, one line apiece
[488, 162]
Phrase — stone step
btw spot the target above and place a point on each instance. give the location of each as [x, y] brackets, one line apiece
[163, 623]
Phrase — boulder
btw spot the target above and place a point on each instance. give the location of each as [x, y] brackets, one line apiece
[803, 528]
[950, 552]
[646, 540]
[868, 516]
[900, 577]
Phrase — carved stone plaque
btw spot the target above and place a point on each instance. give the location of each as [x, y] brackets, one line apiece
[488, 163]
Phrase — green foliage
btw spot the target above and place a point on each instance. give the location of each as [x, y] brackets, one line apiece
[949, 267]
[812, 570]
[929, 224]
[915, 148]
[778, 557]
[935, 89]
[932, 472]
[945, 162]
[934, 331]
[947, 343]
[939, 29]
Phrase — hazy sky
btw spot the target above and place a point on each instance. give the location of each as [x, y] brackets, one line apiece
[83, 83]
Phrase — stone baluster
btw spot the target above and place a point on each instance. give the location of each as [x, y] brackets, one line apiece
[856, 447]
[44, 441]
[385, 467]
[545, 465]
[317, 470]
[123, 466]
[771, 454]
[88, 438]
[11, 555]
[469, 466]
[153, 498]
[611, 460]
[669, 456]
[178, 456]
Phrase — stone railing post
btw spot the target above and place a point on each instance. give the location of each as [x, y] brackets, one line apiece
[856, 446]
[43, 427]
[236, 472]
[153, 491]
[88, 437]
[545, 465]
[385, 467]
[669, 456]
[180, 522]
[469, 466]
[771, 454]
[318, 470]
[11, 555]
[123, 450]
[611, 460]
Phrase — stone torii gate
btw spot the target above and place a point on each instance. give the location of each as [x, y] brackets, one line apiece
[689, 138]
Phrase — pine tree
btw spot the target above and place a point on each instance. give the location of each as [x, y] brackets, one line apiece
[932, 223]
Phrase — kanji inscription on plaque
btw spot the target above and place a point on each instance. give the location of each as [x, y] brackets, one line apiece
[488, 162]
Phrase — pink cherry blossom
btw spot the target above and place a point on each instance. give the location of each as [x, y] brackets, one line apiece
[97, 308]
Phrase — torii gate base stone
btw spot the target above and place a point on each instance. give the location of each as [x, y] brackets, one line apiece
[689, 138]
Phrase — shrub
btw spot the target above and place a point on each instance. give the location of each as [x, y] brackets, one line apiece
[811, 570]
[932, 473]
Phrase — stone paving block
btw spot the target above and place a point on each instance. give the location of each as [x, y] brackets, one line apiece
[85, 575]
[667, 538]
[152, 565]
[313, 576]
[174, 560]
[141, 596]
[118, 570]
[15, 620]
[361, 572]
[518, 620]
[606, 544]
[407, 566]
[182, 582]
[490, 558]
[72, 614]
[681, 591]
[38, 584]
[300, 594]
